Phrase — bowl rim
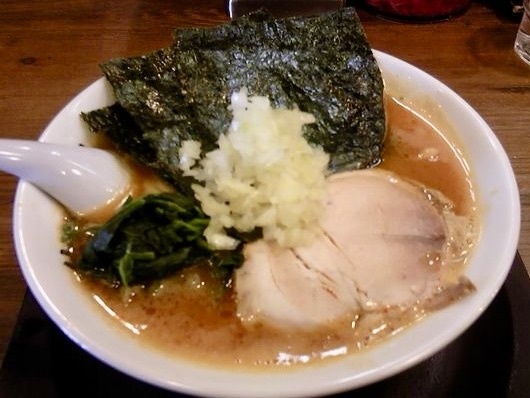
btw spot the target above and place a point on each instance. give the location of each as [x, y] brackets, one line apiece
[335, 377]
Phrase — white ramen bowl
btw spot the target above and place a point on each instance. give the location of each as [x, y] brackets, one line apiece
[37, 221]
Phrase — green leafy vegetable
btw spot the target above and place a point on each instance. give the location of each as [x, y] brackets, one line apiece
[150, 238]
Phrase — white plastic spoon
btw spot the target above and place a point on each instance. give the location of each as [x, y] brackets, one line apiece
[82, 179]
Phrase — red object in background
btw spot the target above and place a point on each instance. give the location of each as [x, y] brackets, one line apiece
[418, 10]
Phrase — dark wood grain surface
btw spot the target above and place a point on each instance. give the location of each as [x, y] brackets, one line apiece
[50, 50]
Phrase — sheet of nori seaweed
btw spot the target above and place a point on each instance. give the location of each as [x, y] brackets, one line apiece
[118, 125]
[323, 64]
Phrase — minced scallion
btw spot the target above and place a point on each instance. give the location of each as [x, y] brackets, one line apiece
[264, 174]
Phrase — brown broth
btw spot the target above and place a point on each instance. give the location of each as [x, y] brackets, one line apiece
[183, 318]
[416, 150]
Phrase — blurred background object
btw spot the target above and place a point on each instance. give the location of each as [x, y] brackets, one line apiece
[522, 40]
[511, 9]
[401, 10]
[517, 6]
[418, 10]
[282, 8]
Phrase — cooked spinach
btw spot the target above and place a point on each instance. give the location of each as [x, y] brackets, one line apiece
[323, 64]
[149, 238]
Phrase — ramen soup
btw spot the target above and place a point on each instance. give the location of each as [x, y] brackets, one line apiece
[190, 316]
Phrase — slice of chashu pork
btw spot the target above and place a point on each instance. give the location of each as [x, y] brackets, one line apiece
[380, 246]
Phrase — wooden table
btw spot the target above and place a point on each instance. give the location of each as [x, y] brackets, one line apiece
[50, 50]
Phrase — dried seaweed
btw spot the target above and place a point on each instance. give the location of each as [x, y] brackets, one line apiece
[118, 125]
[323, 64]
